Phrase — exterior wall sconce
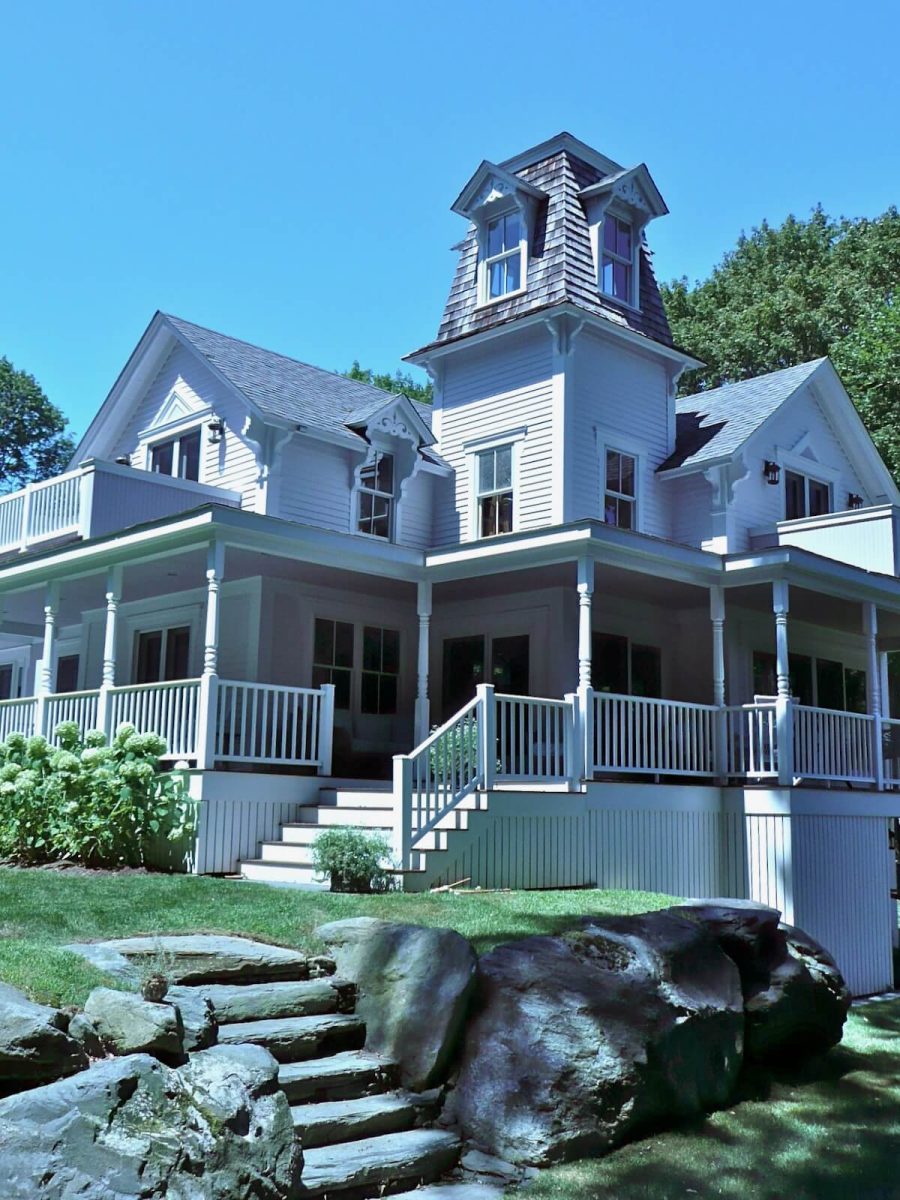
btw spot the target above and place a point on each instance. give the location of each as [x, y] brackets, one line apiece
[216, 429]
[124, 460]
[772, 472]
[854, 501]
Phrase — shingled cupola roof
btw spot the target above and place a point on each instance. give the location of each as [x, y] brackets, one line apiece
[561, 195]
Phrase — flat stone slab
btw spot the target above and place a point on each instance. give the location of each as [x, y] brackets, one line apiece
[417, 1154]
[291, 1038]
[198, 958]
[268, 1001]
[453, 1191]
[341, 1076]
[335, 1121]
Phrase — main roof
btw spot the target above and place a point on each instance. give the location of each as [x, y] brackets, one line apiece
[285, 388]
[713, 425]
[560, 260]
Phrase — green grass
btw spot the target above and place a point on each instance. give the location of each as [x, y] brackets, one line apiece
[829, 1131]
[42, 910]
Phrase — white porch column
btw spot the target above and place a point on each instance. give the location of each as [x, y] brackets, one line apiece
[583, 712]
[873, 690]
[585, 594]
[423, 608]
[784, 718]
[44, 681]
[108, 677]
[209, 680]
[717, 617]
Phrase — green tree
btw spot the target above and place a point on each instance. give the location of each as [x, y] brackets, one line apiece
[797, 291]
[400, 381]
[33, 441]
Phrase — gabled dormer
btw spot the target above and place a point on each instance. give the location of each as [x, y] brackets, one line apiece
[618, 210]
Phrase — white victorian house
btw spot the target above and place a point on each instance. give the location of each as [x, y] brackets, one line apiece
[653, 633]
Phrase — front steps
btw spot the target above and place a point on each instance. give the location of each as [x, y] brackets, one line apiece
[361, 1135]
[368, 806]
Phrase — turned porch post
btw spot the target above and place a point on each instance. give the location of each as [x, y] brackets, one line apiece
[585, 594]
[583, 714]
[44, 680]
[209, 680]
[873, 691]
[784, 719]
[423, 608]
[717, 617]
[108, 676]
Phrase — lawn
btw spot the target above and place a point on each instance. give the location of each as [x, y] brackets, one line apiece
[830, 1131]
[40, 910]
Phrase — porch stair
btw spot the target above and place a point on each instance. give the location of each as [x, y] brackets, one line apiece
[362, 1136]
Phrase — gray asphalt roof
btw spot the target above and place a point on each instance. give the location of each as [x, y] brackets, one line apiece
[285, 388]
[715, 424]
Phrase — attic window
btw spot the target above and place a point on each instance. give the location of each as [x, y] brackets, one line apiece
[376, 496]
[178, 456]
[502, 265]
[617, 264]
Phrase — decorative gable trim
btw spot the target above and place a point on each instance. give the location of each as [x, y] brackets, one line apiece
[182, 409]
[397, 418]
[489, 184]
[633, 188]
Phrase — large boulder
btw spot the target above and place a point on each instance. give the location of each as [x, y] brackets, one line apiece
[414, 986]
[795, 997]
[578, 1041]
[133, 1128]
[128, 1024]
[35, 1046]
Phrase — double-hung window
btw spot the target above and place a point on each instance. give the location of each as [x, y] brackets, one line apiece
[333, 658]
[619, 496]
[495, 491]
[162, 654]
[503, 256]
[380, 670]
[376, 496]
[178, 456]
[617, 259]
[805, 497]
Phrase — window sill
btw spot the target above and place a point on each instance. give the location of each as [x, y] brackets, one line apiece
[499, 299]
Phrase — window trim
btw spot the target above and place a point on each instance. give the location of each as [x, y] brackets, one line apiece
[473, 449]
[136, 623]
[175, 439]
[165, 630]
[483, 274]
[359, 489]
[621, 446]
[809, 468]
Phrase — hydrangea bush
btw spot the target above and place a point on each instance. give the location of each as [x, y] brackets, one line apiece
[88, 801]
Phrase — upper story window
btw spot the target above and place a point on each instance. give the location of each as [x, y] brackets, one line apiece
[179, 456]
[619, 499]
[804, 496]
[376, 496]
[495, 491]
[617, 261]
[502, 256]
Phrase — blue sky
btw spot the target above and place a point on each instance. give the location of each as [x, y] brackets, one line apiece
[283, 171]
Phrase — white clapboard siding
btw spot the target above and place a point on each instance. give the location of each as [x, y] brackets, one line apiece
[488, 392]
[316, 484]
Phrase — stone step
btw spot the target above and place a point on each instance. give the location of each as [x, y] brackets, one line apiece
[290, 1039]
[372, 1166]
[270, 1001]
[330, 1122]
[343, 1076]
[280, 872]
[200, 958]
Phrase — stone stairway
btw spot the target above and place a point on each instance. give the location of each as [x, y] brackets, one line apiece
[362, 1136]
[367, 806]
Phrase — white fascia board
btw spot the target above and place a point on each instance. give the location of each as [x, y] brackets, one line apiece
[697, 468]
[814, 572]
[857, 441]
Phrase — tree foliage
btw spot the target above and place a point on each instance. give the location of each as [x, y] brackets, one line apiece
[33, 441]
[400, 381]
[798, 291]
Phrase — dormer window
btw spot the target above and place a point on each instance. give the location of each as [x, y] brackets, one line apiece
[617, 265]
[376, 496]
[178, 456]
[502, 268]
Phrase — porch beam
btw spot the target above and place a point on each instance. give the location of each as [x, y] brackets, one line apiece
[585, 595]
[873, 690]
[423, 609]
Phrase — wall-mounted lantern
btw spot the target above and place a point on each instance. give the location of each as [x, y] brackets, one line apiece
[124, 460]
[772, 472]
[854, 500]
[216, 429]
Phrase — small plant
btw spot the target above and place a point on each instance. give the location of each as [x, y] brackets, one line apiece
[154, 973]
[354, 858]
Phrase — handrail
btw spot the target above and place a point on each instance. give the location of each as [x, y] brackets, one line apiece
[437, 733]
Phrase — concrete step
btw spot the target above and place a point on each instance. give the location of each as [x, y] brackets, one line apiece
[270, 1001]
[291, 1039]
[326, 1124]
[304, 835]
[372, 1166]
[360, 816]
[282, 872]
[342, 1076]
[374, 796]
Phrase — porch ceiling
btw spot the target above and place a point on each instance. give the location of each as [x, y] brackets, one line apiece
[245, 564]
[814, 608]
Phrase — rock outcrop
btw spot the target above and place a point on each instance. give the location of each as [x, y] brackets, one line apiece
[35, 1045]
[128, 1024]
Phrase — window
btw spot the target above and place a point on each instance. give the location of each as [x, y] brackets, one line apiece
[333, 658]
[380, 670]
[376, 496]
[617, 259]
[495, 491]
[6, 681]
[179, 456]
[66, 674]
[814, 681]
[805, 497]
[503, 256]
[162, 654]
[624, 668]
[619, 500]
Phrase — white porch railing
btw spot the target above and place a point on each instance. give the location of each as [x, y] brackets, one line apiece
[167, 709]
[41, 511]
[80, 707]
[751, 741]
[533, 739]
[635, 735]
[890, 745]
[17, 716]
[833, 746]
[261, 723]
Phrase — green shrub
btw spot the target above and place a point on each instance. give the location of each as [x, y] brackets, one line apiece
[353, 858]
[87, 801]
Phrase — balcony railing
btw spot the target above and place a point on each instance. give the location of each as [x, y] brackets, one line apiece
[97, 498]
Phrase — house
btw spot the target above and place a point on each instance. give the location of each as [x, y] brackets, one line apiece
[654, 632]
